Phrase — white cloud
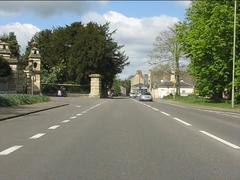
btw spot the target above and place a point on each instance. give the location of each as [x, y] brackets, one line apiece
[185, 3]
[48, 8]
[137, 34]
[23, 32]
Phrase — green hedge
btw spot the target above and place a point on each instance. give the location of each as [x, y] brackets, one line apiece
[7, 100]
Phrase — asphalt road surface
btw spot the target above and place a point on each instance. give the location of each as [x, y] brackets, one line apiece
[121, 139]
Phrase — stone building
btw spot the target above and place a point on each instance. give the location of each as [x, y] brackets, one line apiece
[33, 71]
[138, 82]
[15, 83]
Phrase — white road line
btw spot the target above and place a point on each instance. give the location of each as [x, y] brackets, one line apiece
[220, 140]
[181, 121]
[54, 127]
[78, 106]
[10, 150]
[73, 117]
[66, 121]
[36, 136]
[78, 114]
[155, 109]
[84, 112]
[165, 113]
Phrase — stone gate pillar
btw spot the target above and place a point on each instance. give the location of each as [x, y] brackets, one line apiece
[95, 85]
[33, 70]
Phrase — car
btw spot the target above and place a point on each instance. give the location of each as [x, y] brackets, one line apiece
[146, 96]
[132, 95]
[138, 94]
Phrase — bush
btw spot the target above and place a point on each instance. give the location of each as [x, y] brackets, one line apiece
[20, 99]
[5, 69]
[237, 98]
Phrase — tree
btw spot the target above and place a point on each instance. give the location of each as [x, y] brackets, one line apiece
[127, 84]
[168, 50]
[116, 86]
[5, 69]
[208, 41]
[14, 47]
[80, 50]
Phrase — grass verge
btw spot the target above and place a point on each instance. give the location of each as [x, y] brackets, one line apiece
[8, 100]
[195, 100]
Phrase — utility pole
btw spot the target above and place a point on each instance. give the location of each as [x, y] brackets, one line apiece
[234, 51]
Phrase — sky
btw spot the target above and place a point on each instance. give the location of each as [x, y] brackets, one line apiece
[137, 22]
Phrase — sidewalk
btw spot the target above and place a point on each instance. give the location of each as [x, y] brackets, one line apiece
[12, 112]
[198, 106]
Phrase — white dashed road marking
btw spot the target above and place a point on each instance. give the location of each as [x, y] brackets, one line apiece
[220, 140]
[78, 114]
[181, 121]
[155, 109]
[84, 112]
[54, 127]
[10, 150]
[73, 117]
[78, 106]
[165, 113]
[37, 136]
[66, 121]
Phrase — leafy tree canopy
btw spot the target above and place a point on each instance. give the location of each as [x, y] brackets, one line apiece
[207, 37]
[13, 43]
[76, 51]
[5, 69]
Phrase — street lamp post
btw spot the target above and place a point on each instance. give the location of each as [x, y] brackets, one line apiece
[234, 51]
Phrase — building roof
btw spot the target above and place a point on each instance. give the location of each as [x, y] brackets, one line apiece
[139, 84]
[169, 84]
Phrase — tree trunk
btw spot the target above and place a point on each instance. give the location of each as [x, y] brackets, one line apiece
[177, 76]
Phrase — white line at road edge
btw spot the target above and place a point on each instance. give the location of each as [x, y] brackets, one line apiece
[36, 136]
[66, 121]
[54, 127]
[10, 150]
[73, 117]
[181, 121]
[165, 113]
[220, 140]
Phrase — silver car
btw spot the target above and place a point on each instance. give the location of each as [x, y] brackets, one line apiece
[132, 95]
[146, 96]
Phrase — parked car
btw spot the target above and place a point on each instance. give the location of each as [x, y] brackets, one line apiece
[132, 95]
[145, 96]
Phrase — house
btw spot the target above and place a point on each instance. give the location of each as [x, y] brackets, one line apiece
[16, 82]
[165, 88]
[22, 80]
[137, 82]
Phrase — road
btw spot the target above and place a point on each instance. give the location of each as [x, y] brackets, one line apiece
[121, 139]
